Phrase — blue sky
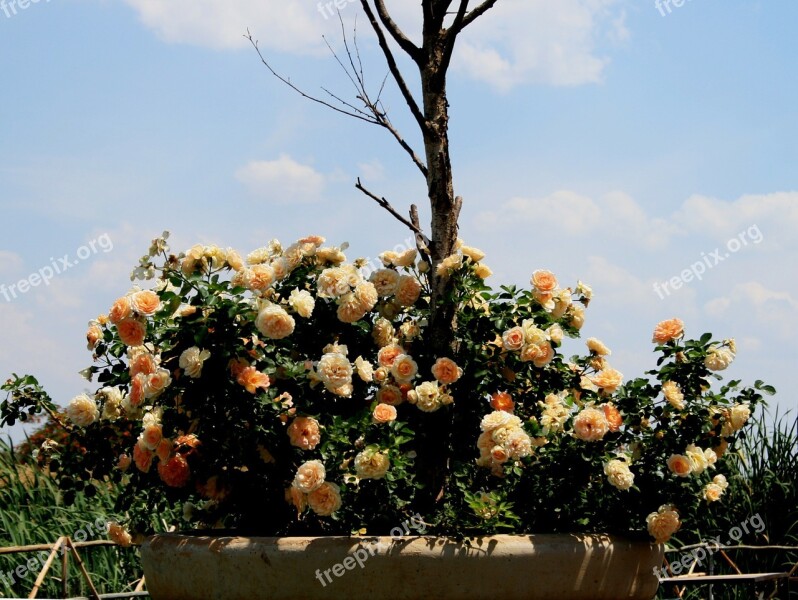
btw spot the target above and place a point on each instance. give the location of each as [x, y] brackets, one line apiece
[596, 138]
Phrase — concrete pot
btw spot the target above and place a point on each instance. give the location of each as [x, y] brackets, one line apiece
[561, 567]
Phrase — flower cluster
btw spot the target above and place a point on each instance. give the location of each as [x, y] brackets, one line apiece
[293, 375]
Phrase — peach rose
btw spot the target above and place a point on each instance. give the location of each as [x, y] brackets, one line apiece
[136, 394]
[142, 362]
[156, 383]
[258, 277]
[297, 499]
[513, 339]
[325, 500]
[668, 330]
[252, 379]
[408, 290]
[164, 449]
[310, 476]
[590, 425]
[175, 471]
[404, 368]
[673, 394]
[663, 523]
[119, 535]
[131, 331]
[680, 465]
[142, 457]
[545, 355]
[544, 281]
[350, 309]
[446, 371]
[151, 437]
[145, 302]
[388, 354]
[390, 394]
[120, 310]
[712, 492]
[502, 401]
[608, 379]
[274, 322]
[366, 295]
[304, 433]
[384, 413]
[124, 462]
[613, 416]
[93, 336]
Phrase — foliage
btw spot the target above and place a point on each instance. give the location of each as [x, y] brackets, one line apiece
[295, 393]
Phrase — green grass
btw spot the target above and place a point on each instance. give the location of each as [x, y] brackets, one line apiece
[764, 482]
[33, 512]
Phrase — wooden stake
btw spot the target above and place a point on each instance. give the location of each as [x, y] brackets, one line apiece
[46, 567]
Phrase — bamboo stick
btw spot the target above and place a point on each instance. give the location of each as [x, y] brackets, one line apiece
[46, 567]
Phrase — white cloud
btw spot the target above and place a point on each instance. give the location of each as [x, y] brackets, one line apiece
[10, 262]
[372, 170]
[517, 42]
[614, 215]
[283, 180]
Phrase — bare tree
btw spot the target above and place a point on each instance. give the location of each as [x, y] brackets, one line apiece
[432, 57]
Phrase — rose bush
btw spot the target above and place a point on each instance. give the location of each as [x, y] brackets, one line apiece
[292, 392]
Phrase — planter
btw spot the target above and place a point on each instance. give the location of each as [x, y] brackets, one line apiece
[561, 567]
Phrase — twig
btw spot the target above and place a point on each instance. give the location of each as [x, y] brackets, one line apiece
[387, 206]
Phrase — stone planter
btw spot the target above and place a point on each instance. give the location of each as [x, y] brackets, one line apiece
[561, 567]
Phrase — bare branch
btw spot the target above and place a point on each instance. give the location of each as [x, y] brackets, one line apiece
[301, 92]
[387, 206]
[473, 16]
[451, 35]
[400, 38]
[422, 243]
[397, 75]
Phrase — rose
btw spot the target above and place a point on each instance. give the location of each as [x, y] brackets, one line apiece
[366, 295]
[252, 379]
[475, 254]
[408, 290]
[718, 359]
[258, 277]
[502, 401]
[141, 361]
[297, 499]
[82, 410]
[274, 322]
[513, 339]
[388, 354]
[384, 413]
[93, 336]
[309, 476]
[666, 331]
[334, 370]
[142, 457]
[350, 309]
[302, 302]
[619, 474]
[390, 394]
[175, 471]
[119, 535]
[543, 281]
[325, 500]
[680, 465]
[191, 361]
[713, 492]
[673, 394]
[518, 443]
[613, 416]
[663, 523]
[131, 331]
[405, 259]
[156, 383]
[120, 310]
[383, 333]
[404, 368]
[498, 419]
[304, 433]
[426, 396]
[145, 302]
[482, 271]
[446, 371]
[597, 347]
[334, 282]
[739, 415]
[371, 464]
[544, 356]
[151, 437]
[590, 425]
[385, 281]
[364, 368]
[608, 379]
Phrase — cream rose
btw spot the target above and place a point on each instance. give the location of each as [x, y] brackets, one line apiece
[673, 394]
[408, 290]
[383, 333]
[365, 370]
[619, 474]
[680, 465]
[718, 359]
[310, 476]
[334, 370]
[608, 379]
[513, 339]
[663, 523]
[302, 302]
[191, 361]
[404, 368]
[384, 413]
[596, 346]
[739, 415]
[372, 464]
[82, 410]
[385, 281]
[274, 322]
